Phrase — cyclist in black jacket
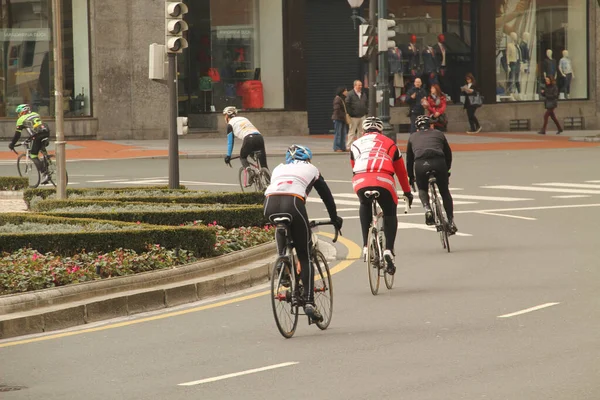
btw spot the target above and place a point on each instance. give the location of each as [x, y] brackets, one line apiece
[429, 150]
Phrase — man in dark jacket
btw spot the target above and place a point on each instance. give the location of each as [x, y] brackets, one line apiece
[414, 97]
[428, 150]
[358, 107]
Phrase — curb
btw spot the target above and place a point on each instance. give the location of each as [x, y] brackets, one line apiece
[11, 194]
[226, 274]
[588, 139]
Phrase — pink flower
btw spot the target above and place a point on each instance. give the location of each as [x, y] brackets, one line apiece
[138, 222]
[35, 256]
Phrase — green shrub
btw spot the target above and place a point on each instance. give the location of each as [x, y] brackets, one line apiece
[198, 239]
[151, 196]
[13, 183]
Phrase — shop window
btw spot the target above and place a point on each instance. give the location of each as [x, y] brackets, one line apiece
[436, 43]
[26, 57]
[536, 39]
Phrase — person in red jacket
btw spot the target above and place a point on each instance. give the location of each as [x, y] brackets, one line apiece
[375, 159]
[436, 106]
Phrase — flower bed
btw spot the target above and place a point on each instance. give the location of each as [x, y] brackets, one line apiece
[198, 239]
[27, 269]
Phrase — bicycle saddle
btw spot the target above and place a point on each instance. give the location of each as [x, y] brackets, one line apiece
[280, 219]
[371, 193]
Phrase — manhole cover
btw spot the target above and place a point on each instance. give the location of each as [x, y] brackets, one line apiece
[6, 388]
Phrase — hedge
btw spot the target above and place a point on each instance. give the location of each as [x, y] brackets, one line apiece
[230, 217]
[198, 239]
[44, 193]
[13, 183]
[201, 198]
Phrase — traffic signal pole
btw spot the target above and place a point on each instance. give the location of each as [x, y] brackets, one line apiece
[382, 77]
[61, 188]
[173, 111]
[373, 63]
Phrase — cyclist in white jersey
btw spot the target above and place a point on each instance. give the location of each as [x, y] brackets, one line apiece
[286, 195]
[252, 140]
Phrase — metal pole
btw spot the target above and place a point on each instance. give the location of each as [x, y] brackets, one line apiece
[173, 139]
[373, 62]
[382, 81]
[61, 188]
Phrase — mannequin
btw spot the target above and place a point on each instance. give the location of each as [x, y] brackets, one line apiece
[430, 66]
[412, 54]
[513, 57]
[565, 67]
[440, 58]
[549, 66]
[524, 47]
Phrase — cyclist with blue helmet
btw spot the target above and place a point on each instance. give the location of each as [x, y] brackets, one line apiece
[290, 185]
[38, 132]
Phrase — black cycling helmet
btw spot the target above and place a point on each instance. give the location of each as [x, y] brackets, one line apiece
[422, 123]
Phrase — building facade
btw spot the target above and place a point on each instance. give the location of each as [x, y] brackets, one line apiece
[280, 61]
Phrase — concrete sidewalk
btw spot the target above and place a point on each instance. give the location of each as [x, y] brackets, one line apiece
[203, 147]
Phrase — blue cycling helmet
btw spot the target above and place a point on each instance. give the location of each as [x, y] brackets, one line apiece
[297, 153]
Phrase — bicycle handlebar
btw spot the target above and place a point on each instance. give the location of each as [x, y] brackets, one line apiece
[314, 224]
[232, 158]
[407, 206]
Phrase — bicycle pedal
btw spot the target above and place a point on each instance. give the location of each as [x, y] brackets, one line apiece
[439, 228]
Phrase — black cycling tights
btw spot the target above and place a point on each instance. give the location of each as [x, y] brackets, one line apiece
[441, 175]
[251, 144]
[390, 218]
[294, 208]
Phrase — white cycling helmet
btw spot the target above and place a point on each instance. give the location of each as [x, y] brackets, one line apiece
[372, 124]
[422, 122]
[230, 111]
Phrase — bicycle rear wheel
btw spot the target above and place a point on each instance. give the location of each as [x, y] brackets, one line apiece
[264, 179]
[284, 311]
[442, 224]
[387, 278]
[373, 260]
[323, 290]
[27, 169]
[52, 171]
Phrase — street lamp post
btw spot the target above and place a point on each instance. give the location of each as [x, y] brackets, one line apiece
[355, 5]
[61, 188]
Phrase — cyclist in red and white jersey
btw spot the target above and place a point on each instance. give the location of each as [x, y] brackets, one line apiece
[375, 159]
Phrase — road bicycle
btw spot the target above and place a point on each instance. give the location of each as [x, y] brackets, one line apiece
[376, 264]
[255, 177]
[27, 168]
[442, 225]
[287, 288]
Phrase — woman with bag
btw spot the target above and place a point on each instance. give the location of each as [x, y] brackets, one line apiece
[550, 94]
[472, 102]
[436, 104]
[340, 119]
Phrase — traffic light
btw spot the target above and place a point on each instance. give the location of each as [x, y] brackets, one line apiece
[366, 40]
[385, 33]
[175, 26]
[182, 126]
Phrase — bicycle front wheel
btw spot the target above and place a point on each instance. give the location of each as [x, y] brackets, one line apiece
[27, 169]
[284, 310]
[323, 290]
[373, 261]
[52, 171]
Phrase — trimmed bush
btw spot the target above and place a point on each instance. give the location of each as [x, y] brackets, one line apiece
[230, 217]
[198, 239]
[13, 183]
[153, 196]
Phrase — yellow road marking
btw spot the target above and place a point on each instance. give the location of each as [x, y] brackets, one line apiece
[353, 253]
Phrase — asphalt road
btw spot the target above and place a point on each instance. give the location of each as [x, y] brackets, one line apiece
[529, 223]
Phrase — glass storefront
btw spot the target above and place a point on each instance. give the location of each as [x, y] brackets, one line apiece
[226, 62]
[26, 59]
[539, 38]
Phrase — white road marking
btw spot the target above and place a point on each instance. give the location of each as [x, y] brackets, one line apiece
[569, 185]
[542, 189]
[508, 216]
[108, 180]
[336, 181]
[144, 182]
[195, 183]
[571, 196]
[342, 202]
[247, 372]
[344, 209]
[527, 310]
[488, 198]
[88, 176]
[592, 181]
[408, 225]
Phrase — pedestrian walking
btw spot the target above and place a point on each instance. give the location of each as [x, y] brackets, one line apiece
[414, 97]
[550, 94]
[472, 103]
[340, 119]
[358, 107]
[436, 105]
